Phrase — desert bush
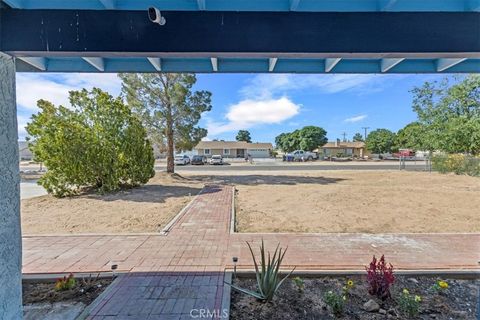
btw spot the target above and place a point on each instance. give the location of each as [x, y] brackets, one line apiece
[96, 143]
[457, 163]
[380, 277]
[266, 273]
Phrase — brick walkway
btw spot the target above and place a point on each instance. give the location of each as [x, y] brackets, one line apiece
[201, 241]
[200, 245]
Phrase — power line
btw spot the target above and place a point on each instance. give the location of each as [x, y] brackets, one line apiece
[344, 134]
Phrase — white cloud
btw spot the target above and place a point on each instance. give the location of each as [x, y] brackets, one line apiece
[356, 118]
[270, 85]
[55, 87]
[22, 122]
[249, 113]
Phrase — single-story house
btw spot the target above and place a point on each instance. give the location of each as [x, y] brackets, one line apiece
[24, 152]
[234, 149]
[345, 149]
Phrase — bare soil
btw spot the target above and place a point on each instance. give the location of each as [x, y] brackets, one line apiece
[145, 209]
[459, 301]
[356, 201]
[85, 292]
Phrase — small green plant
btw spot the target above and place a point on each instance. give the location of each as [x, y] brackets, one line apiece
[335, 301]
[90, 280]
[65, 283]
[267, 273]
[440, 286]
[409, 303]
[299, 283]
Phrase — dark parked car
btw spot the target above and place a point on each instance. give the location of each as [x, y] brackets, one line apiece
[199, 160]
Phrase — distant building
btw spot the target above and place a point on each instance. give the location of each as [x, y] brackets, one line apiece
[234, 149]
[24, 152]
[345, 149]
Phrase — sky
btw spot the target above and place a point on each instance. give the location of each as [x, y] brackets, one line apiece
[264, 104]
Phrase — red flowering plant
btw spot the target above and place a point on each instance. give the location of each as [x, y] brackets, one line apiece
[380, 277]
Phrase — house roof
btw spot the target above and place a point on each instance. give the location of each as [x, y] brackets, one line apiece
[232, 145]
[348, 144]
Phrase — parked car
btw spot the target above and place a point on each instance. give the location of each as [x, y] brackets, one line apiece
[406, 154]
[300, 155]
[199, 160]
[181, 159]
[216, 159]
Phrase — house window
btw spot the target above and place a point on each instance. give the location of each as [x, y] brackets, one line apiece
[206, 151]
[226, 152]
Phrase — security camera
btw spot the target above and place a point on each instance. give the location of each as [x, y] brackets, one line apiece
[156, 16]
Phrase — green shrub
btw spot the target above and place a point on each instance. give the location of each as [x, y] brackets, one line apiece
[457, 163]
[97, 143]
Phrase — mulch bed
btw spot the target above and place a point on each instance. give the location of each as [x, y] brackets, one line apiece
[459, 301]
[84, 291]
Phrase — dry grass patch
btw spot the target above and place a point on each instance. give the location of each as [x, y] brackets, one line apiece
[144, 209]
[357, 201]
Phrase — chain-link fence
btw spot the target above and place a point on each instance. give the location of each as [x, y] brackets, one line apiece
[456, 163]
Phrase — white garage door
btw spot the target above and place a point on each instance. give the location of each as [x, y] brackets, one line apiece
[259, 153]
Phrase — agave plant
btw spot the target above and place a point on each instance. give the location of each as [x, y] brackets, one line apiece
[267, 273]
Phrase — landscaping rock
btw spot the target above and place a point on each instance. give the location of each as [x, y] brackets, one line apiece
[460, 314]
[412, 280]
[392, 312]
[371, 306]
[382, 311]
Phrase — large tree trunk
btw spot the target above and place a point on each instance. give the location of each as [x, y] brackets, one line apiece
[170, 146]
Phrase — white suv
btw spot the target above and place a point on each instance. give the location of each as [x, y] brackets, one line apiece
[216, 159]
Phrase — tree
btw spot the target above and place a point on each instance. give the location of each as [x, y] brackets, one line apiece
[308, 138]
[169, 108]
[243, 135]
[312, 137]
[357, 137]
[98, 143]
[380, 141]
[450, 114]
[412, 136]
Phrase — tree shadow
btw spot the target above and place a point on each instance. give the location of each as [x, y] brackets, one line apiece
[265, 179]
[154, 193]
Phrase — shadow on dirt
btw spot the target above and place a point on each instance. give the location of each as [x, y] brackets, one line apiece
[265, 179]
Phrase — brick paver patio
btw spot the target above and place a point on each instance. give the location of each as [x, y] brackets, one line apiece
[200, 245]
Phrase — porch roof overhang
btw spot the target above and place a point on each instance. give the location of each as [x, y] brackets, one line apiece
[222, 36]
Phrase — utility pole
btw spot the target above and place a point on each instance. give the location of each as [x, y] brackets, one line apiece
[344, 134]
[365, 130]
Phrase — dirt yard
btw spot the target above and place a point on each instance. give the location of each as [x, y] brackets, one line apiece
[144, 209]
[356, 201]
